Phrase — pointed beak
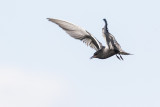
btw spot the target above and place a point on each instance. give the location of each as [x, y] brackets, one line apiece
[92, 57]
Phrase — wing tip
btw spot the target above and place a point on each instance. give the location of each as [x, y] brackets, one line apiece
[105, 21]
[49, 19]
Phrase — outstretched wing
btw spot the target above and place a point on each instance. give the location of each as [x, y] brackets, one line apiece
[78, 33]
[110, 39]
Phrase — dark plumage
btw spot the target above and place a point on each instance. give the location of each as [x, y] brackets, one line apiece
[102, 52]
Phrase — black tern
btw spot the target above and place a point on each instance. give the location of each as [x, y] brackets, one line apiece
[102, 52]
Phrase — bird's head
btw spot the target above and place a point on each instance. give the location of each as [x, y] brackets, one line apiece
[96, 55]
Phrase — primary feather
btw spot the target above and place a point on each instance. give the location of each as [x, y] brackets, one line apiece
[78, 33]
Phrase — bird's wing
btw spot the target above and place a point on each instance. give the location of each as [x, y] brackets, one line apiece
[111, 41]
[114, 44]
[109, 38]
[106, 34]
[78, 33]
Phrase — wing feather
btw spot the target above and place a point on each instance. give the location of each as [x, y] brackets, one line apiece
[78, 33]
[111, 42]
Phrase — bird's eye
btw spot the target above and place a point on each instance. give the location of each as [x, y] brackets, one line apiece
[95, 54]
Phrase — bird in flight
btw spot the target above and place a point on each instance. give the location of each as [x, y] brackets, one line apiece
[111, 48]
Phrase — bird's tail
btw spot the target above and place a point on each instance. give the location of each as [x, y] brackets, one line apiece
[125, 53]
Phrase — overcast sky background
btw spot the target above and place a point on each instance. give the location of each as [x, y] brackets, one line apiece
[41, 66]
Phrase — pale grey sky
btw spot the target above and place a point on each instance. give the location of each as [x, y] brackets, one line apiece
[41, 66]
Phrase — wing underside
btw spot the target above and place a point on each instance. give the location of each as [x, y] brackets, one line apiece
[78, 33]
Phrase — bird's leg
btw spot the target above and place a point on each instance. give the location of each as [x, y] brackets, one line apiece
[118, 57]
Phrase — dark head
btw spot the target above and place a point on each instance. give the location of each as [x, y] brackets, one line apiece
[97, 54]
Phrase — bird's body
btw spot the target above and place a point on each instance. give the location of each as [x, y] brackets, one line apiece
[102, 52]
